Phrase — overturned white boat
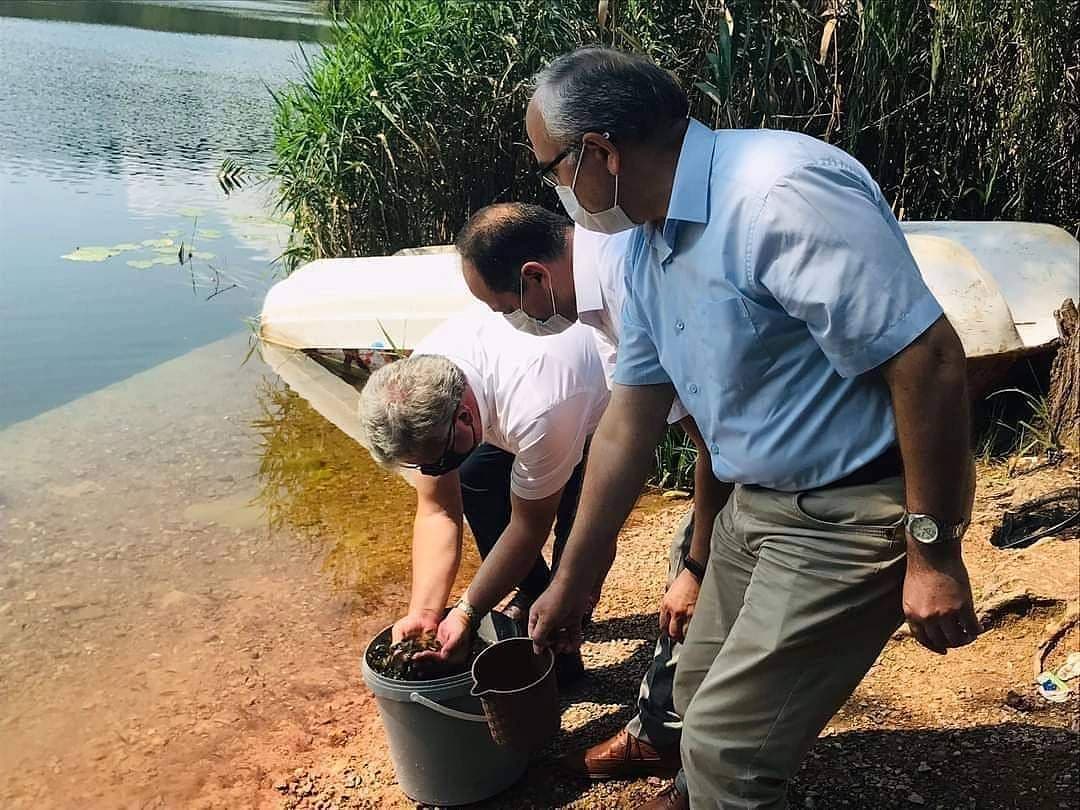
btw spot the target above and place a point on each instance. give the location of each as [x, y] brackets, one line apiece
[332, 320]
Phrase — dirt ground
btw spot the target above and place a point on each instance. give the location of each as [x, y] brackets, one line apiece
[159, 649]
[966, 730]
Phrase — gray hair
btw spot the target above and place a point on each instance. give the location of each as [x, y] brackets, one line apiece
[407, 406]
[604, 90]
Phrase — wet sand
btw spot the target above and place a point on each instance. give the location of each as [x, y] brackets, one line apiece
[166, 634]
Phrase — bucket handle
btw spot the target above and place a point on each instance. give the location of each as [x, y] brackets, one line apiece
[416, 697]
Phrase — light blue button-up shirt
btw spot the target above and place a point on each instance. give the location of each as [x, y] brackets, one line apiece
[779, 279]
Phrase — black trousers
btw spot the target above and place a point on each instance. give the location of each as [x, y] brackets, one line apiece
[485, 492]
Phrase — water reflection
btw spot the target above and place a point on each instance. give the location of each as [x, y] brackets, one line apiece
[258, 19]
[318, 481]
[111, 136]
[83, 101]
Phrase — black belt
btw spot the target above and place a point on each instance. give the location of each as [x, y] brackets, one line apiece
[888, 465]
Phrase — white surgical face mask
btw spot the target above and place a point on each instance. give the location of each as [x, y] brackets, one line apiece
[611, 220]
[524, 322]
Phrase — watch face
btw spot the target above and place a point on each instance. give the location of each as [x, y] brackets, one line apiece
[923, 529]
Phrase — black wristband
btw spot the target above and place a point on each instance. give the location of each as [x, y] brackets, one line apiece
[696, 569]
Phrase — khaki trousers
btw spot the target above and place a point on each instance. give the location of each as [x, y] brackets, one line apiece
[801, 592]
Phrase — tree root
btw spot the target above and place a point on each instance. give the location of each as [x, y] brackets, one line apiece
[1018, 603]
[1056, 633]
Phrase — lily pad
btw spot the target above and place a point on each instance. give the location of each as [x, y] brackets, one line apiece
[164, 260]
[172, 250]
[189, 212]
[96, 253]
[202, 254]
[125, 246]
[209, 233]
[172, 232]
[140, 264]
[158, 243]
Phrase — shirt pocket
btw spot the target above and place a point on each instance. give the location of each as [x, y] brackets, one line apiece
[728, 353]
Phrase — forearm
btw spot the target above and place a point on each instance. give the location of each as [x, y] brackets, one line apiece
[710, 496]
[619, 462]
[928, 384]
[436, 555]
[506, 564]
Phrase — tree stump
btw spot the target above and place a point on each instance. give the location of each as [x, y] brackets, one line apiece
[1064, 399]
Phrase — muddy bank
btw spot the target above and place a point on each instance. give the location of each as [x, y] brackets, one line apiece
[167, 637]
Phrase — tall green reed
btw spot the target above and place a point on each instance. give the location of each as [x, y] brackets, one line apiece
[411, 120]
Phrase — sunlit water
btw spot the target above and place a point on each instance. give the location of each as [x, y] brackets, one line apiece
[188, 553]
[110, 137]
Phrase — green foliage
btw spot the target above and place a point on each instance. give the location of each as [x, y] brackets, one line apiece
[1015, 422]
[961, 109]
[676, 456]
[411, 120]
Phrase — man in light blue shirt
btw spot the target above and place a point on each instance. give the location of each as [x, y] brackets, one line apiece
[769, 287]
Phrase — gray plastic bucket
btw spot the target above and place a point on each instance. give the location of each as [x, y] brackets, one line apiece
[440, 744]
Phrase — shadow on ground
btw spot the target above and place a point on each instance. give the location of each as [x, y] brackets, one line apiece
[1012, 765]
[641, 625]
[1001, 767]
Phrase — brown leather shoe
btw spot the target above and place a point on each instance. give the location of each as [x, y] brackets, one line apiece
[671, 798]
[624, 757]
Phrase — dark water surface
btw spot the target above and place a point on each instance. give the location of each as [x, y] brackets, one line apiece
[113, 119]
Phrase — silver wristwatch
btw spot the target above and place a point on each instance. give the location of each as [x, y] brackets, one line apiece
[929, 531]
[470, 613]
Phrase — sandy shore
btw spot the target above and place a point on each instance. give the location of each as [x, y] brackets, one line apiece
[186, 587]
[966, 730]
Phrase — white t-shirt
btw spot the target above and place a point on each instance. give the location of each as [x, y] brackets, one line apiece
[540, 398]
[599, 280]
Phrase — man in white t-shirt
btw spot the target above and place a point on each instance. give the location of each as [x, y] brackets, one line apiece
[543, 273]
[520, 412]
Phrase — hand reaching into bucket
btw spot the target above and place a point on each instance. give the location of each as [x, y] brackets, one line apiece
[454, 635]
[555, 618]
[415, 624]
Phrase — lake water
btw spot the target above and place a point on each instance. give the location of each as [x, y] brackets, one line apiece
[110, 136]
[190, 557]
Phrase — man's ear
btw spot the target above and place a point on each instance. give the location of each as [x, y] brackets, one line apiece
[609, 153]
[534, 273]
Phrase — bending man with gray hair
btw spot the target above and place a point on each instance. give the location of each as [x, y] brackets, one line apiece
[479, 408]
[768, 286]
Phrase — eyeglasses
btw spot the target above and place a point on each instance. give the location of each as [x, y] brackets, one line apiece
[449, 460]
[546, 171]
[440, 465]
